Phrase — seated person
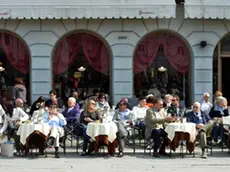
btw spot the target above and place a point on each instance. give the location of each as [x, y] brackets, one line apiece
[34, 106]
[219, 110]
[150, 100]
[18, 116]
[140, 112]
[168, 100]
[2, 113]
[88, 115]
[56, 101]
[128, 105]
[154, 121]
[205, 104]
[102, 104]
[204, 126]
[123, 118]
[38, 114]
[174, 109]
[72, 112]
[56, 121]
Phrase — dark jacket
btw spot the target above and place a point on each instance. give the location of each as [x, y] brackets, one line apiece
[217, 114]
[59, 101]
[94, 116]
[191, 117]
[72, 114]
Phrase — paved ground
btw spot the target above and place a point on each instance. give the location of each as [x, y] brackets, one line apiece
[220, 161]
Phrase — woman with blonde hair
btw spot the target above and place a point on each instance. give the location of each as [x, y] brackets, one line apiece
[88, 115]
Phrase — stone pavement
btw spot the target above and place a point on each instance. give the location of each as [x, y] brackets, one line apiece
[220, 161]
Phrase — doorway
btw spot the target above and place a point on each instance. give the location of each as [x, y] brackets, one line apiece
[226, 77]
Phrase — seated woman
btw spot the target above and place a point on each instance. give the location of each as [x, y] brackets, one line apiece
[219, 110]
[35, 105]
[123, 118]
[102, 104]
[56, 121]
[88, 115]
[38, 114]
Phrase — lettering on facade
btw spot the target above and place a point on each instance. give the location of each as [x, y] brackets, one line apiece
[145, 12]
[6, 13]
[122, 37]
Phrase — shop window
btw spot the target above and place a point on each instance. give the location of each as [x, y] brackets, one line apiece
[81, 61]
[15, 62]
[161, 66]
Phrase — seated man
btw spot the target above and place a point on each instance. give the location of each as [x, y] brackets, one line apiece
[17, 117]
[219, 111]
[140, 112]
[174, 109]
[72, 112]
[204, 125]
[123, 118]
[56, 121]
[56, 101]
[154, 121]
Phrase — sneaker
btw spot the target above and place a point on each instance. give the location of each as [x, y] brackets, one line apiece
[120, 154]
[204, 155]
[155, 154]
[83, 153]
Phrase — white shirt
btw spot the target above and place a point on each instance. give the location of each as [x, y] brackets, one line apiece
[2, 112]
[139, 112]
[18, 114]
[205, 106]
[69, 109]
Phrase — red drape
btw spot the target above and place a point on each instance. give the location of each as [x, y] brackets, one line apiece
[174, 49]
[16, 52]
[94, 50]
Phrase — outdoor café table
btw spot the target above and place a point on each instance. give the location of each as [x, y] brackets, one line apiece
[103, 134]
[181, 132]
[226, 125]
[35, 134]
[226, 122]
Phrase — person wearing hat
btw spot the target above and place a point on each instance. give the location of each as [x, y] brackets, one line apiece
[124, 118]
[56, 121]
[205, 103]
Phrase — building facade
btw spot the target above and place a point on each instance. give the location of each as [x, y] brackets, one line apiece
[121, 35]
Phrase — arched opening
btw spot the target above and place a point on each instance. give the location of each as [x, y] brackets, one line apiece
[162, 65]
[81, 61]
[221, 63]
[15, 59]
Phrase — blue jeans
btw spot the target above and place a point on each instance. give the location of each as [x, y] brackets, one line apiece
[218, 132]
[86, 139]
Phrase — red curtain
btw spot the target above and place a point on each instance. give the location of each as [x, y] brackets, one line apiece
[174, 49]
[94, 50]
[16, 52]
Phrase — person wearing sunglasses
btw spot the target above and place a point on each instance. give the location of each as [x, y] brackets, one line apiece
[88, 115]
[56, 121]
[124, 119]
[174, 109]
[204, 125]
[101, 103]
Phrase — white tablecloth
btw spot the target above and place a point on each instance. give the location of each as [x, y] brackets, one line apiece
[109, 129]
[26, 129]
[181, 127]
[226, 122]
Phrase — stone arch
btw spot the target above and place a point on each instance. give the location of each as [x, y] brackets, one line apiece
[186, 48]
[97, 37]
[15, 58]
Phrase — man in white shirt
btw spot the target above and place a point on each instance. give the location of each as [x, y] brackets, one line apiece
[205, 103]
[18, 117]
